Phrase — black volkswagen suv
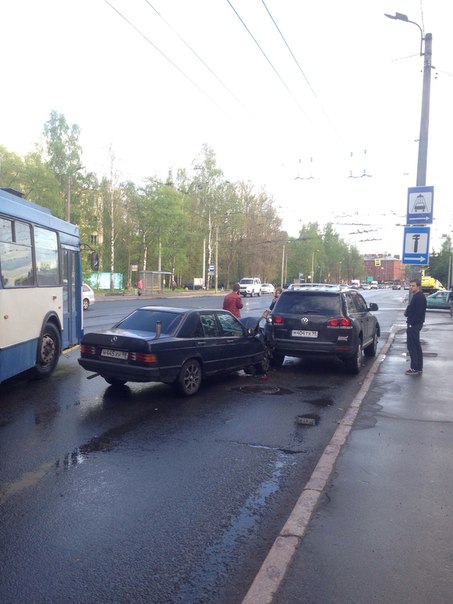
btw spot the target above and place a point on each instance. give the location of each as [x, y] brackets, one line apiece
[323, 321]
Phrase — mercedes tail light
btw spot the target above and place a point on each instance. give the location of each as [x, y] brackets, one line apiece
[140, 357]
[89, 350]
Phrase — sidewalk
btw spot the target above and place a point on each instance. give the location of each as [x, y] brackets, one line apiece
[166, 294]
[381, 530]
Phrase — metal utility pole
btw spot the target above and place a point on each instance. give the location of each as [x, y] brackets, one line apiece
[425, 52]
[424, 121]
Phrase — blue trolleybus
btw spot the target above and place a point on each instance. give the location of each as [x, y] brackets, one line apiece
[40, 287]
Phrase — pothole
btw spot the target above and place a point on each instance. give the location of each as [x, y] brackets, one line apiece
[260, 389]
[321, 402]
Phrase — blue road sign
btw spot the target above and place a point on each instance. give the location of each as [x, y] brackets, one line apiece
[416, 245]
[420, 205]
[211, 268]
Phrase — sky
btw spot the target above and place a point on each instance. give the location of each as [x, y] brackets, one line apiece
[317, 103]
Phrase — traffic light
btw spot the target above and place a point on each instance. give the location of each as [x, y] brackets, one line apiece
[377, 262]
[94, 261]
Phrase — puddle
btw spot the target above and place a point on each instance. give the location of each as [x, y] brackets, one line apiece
[220, 553]
[320, 402]
[313, 388]
[262, 389]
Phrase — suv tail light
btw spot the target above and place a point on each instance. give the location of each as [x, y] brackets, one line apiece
[278, 320]
[341, 322]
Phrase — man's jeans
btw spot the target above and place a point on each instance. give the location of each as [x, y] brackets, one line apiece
[414, 347]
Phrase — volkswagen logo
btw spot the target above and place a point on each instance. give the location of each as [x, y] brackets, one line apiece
[304, 320]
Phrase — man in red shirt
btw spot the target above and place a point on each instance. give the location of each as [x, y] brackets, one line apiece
[233, 302]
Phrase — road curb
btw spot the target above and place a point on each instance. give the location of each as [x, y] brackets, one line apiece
[281, 554]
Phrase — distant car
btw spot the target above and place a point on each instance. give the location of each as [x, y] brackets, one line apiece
[396, 285]
[323, 322]
[440, 300]
[374, 285]
[87, 296]
[267, 288]
[250, 286]
[178, 346]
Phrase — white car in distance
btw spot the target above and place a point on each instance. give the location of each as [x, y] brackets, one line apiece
[267, 288]
[87, 296]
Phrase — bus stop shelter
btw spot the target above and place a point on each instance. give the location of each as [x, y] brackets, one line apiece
[154, 281]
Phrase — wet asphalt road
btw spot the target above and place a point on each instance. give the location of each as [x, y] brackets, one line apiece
[140, 496]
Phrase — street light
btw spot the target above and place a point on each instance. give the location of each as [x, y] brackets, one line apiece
[424, 120]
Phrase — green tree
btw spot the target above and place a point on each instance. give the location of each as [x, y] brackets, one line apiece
[32, 177]
[64, 158]
[440, 263]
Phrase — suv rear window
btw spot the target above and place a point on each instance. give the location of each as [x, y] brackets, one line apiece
[306, 303]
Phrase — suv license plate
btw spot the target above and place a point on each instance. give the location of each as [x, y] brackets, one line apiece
[300, 333]
[114, 354]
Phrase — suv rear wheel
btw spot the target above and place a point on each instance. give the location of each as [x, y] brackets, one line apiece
[371, 349]
[354, 364]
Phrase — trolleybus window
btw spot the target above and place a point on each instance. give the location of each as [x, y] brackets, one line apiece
[46, 250]
[16, 254]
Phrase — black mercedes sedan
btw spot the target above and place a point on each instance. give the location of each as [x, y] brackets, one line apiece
[177, 346]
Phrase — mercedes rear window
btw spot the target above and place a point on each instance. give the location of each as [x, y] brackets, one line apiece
[145, 320]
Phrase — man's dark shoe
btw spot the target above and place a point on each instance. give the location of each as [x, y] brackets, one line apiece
[412, 372]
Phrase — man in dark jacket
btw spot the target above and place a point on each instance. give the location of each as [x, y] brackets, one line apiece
[233, 302]
[415, 314]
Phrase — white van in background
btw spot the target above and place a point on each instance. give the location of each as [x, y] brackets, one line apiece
[374, 285]
[250, 286]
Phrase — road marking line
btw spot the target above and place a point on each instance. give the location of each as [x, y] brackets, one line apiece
[29, 479]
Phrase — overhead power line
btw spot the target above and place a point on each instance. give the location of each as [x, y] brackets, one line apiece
[268, 60]
[299, 67]
[211, 71]
[288, 47]
[164, 55]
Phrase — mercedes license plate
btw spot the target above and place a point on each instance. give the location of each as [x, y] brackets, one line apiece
[114, 354]
[301, 333]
